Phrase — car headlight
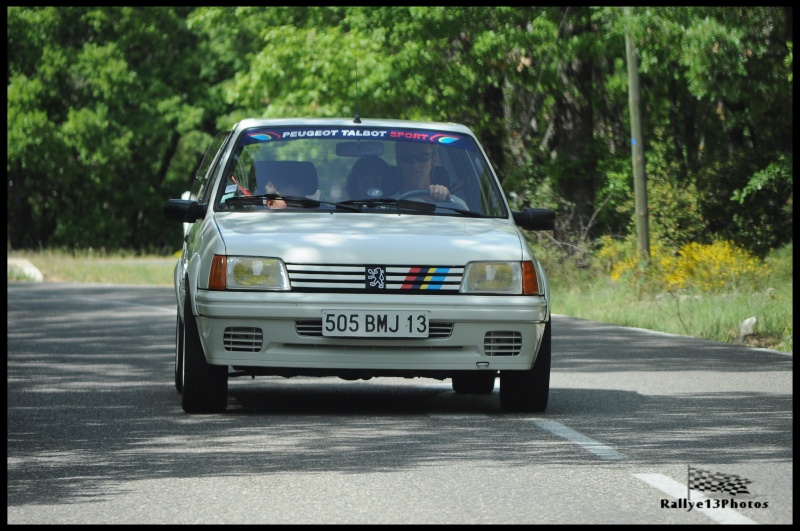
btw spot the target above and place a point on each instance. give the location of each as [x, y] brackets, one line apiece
[511, 278]
[248, 272]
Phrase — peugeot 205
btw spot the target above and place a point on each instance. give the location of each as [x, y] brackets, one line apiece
[357, 249]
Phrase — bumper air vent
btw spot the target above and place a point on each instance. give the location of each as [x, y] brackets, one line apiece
[241, 339]
[501, 343]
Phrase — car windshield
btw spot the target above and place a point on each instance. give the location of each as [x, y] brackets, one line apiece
[359, 169]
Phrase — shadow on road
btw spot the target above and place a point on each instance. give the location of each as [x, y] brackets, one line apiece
[91, 405]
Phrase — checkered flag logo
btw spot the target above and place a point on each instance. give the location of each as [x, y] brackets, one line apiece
[706, 480]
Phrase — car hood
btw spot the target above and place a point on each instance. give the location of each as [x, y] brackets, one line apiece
[358, 238]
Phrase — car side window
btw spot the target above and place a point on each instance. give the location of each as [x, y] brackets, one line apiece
[200, 189]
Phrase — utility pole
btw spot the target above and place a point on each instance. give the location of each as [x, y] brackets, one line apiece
[637, 147]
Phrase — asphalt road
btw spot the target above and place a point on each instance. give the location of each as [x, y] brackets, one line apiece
[96, 434]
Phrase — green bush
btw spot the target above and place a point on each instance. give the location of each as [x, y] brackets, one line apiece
[699, 290]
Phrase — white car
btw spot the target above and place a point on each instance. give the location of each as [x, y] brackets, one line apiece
[294, 265]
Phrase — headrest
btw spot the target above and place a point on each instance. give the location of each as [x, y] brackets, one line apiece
[280, 172]
[367, 166]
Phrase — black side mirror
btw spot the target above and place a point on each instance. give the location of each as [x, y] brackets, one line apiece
[535, 219]
[184, 210]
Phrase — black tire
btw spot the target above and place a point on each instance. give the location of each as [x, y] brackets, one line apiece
[179, 354]
[205, 387]
[528, 391]
[479, 383]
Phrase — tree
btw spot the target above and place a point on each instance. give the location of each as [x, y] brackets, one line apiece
[718, 82]
[111, 108]
[98, 101]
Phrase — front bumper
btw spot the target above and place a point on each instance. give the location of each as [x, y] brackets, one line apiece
[280, 330]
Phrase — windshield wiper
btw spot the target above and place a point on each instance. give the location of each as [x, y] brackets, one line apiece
[291, 200]
[407, 204]
[404, 204]
[461, 211]
[353, 205]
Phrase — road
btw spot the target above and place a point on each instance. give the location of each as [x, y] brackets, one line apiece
[96, 434]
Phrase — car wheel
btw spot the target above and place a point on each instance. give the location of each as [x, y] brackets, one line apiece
[527, 391]
[179, 354]
[205, 387]
[474, 384]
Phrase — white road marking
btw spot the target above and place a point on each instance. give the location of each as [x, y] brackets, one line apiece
[676, 490]
[588, 444]
[458, 416]
[667, 334]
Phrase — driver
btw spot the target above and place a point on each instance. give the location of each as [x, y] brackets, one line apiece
[416, 160]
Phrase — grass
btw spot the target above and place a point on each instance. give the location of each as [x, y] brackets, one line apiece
[714, 316]
[576, 292]
[98, 267]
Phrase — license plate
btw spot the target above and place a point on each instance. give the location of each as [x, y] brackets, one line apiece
[374, 324]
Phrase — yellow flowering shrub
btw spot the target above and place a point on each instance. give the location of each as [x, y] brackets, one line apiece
[611, 251]
[715, 267]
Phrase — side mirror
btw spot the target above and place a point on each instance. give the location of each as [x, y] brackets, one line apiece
[535, 219]
[184, 210]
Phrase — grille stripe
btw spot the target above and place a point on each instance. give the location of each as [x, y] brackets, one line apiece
[425, 278]
[316, 277]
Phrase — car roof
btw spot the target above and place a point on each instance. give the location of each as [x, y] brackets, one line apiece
[349, 122]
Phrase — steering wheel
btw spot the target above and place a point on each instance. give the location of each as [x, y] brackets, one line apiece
[423, 193]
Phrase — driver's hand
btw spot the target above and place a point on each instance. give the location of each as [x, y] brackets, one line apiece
[439, 192]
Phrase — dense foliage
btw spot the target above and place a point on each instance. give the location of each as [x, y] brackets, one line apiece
[111, 108]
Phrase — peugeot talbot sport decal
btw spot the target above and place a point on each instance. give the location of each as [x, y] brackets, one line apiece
[414, 135]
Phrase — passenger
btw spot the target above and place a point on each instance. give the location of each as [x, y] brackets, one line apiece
[367, 178]
[287, 189]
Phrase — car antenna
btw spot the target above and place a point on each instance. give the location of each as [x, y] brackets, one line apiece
[357, 119]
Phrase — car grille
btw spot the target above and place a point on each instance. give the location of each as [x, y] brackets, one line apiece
[313, 328]
[242, 339]
[499, 343]
[428, 280]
